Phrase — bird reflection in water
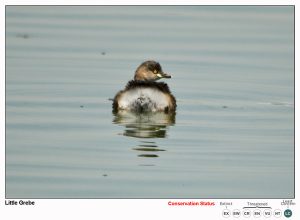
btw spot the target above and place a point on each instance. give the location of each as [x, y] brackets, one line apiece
[145, 125]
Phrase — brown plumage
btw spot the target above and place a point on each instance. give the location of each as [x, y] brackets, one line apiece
[144, 94]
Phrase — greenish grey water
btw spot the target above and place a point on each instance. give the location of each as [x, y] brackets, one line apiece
[232, 74]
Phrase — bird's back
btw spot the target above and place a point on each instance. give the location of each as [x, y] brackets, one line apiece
[145, 96]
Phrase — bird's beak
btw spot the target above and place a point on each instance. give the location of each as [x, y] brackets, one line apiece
[163, 75]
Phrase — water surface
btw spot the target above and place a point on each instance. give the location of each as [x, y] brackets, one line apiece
[232, 74]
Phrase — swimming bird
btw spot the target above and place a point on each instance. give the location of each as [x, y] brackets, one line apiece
[144, 93]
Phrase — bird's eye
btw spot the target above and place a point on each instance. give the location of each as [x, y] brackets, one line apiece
[155, 71]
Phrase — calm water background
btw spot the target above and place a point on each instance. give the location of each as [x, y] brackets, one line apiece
[233, 77]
